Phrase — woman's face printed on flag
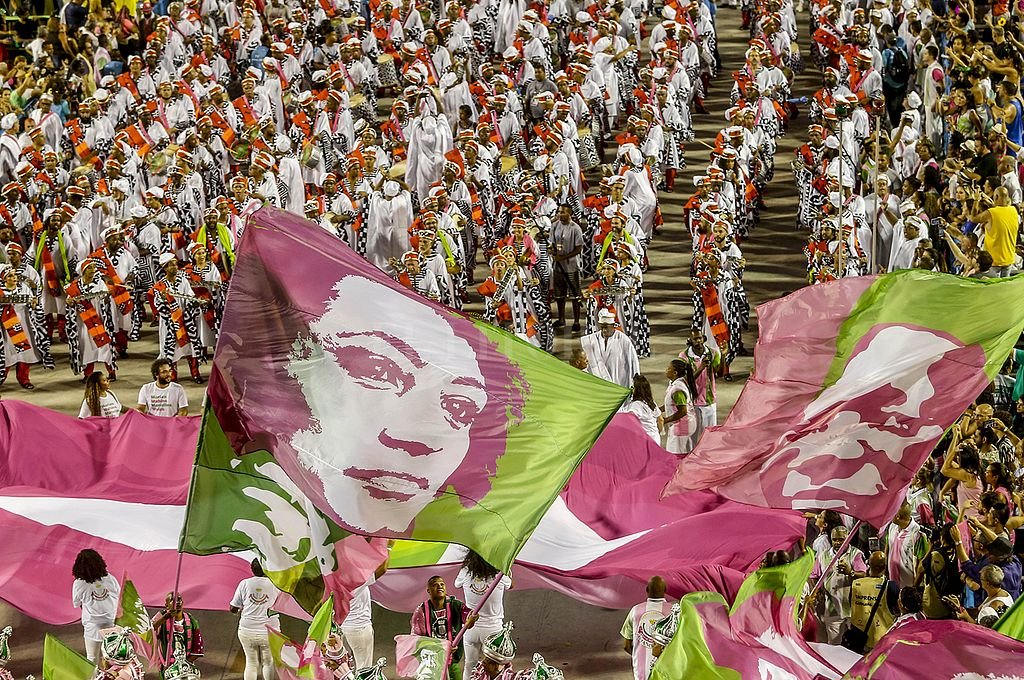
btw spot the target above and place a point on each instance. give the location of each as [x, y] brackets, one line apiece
[390, 421]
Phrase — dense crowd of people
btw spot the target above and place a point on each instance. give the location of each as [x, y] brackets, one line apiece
[511, 157]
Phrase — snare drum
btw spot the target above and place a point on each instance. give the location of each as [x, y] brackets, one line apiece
[240, 151]
[589, 157]
[387, 73]
[508, 164]
[311, 155]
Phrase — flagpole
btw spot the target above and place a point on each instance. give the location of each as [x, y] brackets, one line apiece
[462, 631]
[188, 508]
[831, 565]
[873, 260]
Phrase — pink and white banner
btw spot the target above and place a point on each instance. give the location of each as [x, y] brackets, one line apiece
[119, 486]
[115, 485]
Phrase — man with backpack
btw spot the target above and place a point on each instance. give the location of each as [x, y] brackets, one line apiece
[895, 73]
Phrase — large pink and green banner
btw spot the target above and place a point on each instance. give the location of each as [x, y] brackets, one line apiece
[855, 381]
[356, 400]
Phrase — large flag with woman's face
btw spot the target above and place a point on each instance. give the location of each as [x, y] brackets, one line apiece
[855, 382]
[340, 397]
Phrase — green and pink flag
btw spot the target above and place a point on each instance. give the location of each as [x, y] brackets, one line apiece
[342, 403]
[294, 661]
[421, 658]
[941, 650]
[855, 382]
[757, 636]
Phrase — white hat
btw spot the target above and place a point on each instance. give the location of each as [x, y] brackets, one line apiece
[391, 189]
[831, 142]
[908, 207]
[583, 18]
[165, 258]
[155, 192]
[138, 212]
[122, 185]
[283, 144]
[914, 100]
[109, 231]
[605, 317]
[9, 121]
[101, 95]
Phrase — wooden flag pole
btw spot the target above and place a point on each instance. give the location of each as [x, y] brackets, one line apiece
[462, 631]
[831, 565]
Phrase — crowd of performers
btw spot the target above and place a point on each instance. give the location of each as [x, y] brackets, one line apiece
[431, 138]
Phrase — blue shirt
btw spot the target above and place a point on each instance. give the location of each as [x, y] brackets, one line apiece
[1011, 574]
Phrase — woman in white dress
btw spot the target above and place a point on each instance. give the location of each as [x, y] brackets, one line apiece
[680, 417]
[642, 405]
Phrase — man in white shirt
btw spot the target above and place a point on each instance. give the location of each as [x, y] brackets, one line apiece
[358, 625]
[163, 397]
[636, 640]
[610, 352]
[253, 599]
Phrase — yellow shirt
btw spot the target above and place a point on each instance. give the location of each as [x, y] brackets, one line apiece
[864, 592]
[1001, 235]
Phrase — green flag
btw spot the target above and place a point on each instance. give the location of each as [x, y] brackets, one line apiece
[60, 662]
[1011, 623]
[785, 580]
[341, 402]
[320, 626]
[133, 613]
[848, 370]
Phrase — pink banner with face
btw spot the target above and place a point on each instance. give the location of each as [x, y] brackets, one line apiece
[800, 438]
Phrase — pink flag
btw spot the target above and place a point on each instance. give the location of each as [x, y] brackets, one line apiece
[855, 382]
[360, 557]
[942, 649]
